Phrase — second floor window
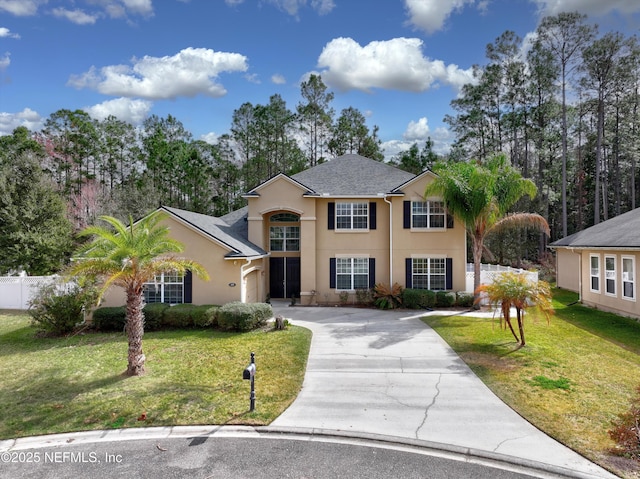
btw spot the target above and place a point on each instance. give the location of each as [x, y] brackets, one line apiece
[284, 238]
[352, 216]
[428, 214]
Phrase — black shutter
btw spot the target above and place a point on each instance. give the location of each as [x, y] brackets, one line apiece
[448, 262]
[188, 287]
[409, 273]
[449, 221]
[332, 272]
[372, 272]
[406, 214]
[372, 215]
[331, 217]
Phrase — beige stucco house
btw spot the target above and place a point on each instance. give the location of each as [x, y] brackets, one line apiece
[343, 225]
[600, 262]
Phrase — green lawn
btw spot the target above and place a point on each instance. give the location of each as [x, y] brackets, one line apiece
[574, 376]
[193, 377]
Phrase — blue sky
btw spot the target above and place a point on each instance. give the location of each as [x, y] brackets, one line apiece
[400, 62]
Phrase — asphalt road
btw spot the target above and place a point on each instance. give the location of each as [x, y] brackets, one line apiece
[211, 457]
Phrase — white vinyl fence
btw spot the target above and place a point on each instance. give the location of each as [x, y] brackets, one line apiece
[17, 291]
[489, 271]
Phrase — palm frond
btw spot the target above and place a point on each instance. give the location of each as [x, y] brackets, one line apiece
[521, 220]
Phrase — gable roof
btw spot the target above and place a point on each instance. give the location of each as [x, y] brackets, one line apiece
[352, 175]
[230, 235]
[619, 232]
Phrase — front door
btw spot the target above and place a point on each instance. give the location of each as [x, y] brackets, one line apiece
[284, 279]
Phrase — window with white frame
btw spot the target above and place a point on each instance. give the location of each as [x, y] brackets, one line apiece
[167, 288]
[594, 272]
[610, 275]
[428, 214]
[352, 273]
[628, 277]
[284, 238]
[429, 273]
[352, 216]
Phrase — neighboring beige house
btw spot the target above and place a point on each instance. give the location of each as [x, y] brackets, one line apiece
[600, 262]
[343, 225]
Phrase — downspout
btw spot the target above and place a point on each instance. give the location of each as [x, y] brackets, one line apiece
[243, 292]
[390, 240]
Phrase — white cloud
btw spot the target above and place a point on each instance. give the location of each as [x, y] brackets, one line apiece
[5, 61]
[27, 118]
[189, 73]
[396, 64]
[292, 7]
[142, 7]
[211, 138]
[125, 109]
[76, 16]
[430, 15]
[417, 130]
[20, 8]
[588, 7]
[278, 79]
[6, 33]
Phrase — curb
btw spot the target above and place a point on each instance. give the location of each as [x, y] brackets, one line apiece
[416, 446]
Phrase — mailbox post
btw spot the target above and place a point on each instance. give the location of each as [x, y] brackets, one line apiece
[249, 373]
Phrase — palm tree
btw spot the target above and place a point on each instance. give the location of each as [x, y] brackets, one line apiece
[480, 196]
[129, 257]
[511, 289]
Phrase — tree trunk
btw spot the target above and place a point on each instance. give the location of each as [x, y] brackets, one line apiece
[135, 330]
[520, 313]
[477, 258]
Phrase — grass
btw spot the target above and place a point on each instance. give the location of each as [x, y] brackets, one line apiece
[52, 385]
[574, 376]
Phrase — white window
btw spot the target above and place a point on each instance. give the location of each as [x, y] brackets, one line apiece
[167, 288]
[428, 214]
[428, 273]
[284, 238]
[352, 216]
[610, 275]
[352, 273]
[595, 272]
[628, 277]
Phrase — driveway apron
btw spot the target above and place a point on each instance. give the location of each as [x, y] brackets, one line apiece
[388, 373]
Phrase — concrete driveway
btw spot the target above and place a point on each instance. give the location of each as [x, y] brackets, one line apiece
[388, 373]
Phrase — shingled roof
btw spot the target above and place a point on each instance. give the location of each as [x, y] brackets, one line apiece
[231, 235]
[352, 175]
[623, 231]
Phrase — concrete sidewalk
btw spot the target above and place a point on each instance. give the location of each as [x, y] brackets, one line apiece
[388, 373]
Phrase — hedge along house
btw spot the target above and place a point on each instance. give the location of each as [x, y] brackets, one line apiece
[599, 263]
[343, 225]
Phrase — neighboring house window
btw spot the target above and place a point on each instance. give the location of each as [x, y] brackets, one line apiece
[429, 273]
[595, 273]
[628, 277]
[284, 238]
[610, 275]
[167, 288]
[352, 216]
[352, 273]
[428, 214]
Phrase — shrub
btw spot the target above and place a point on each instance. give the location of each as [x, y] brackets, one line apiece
[344, 297]
[464, 299]
[109, 318]
[364, 296]
[418, 298]
[58, 308]
[205, 316]
[445, 299]
[238, 316]
[386, 297]
[626, 430]
[153, 316]
[179, 316]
